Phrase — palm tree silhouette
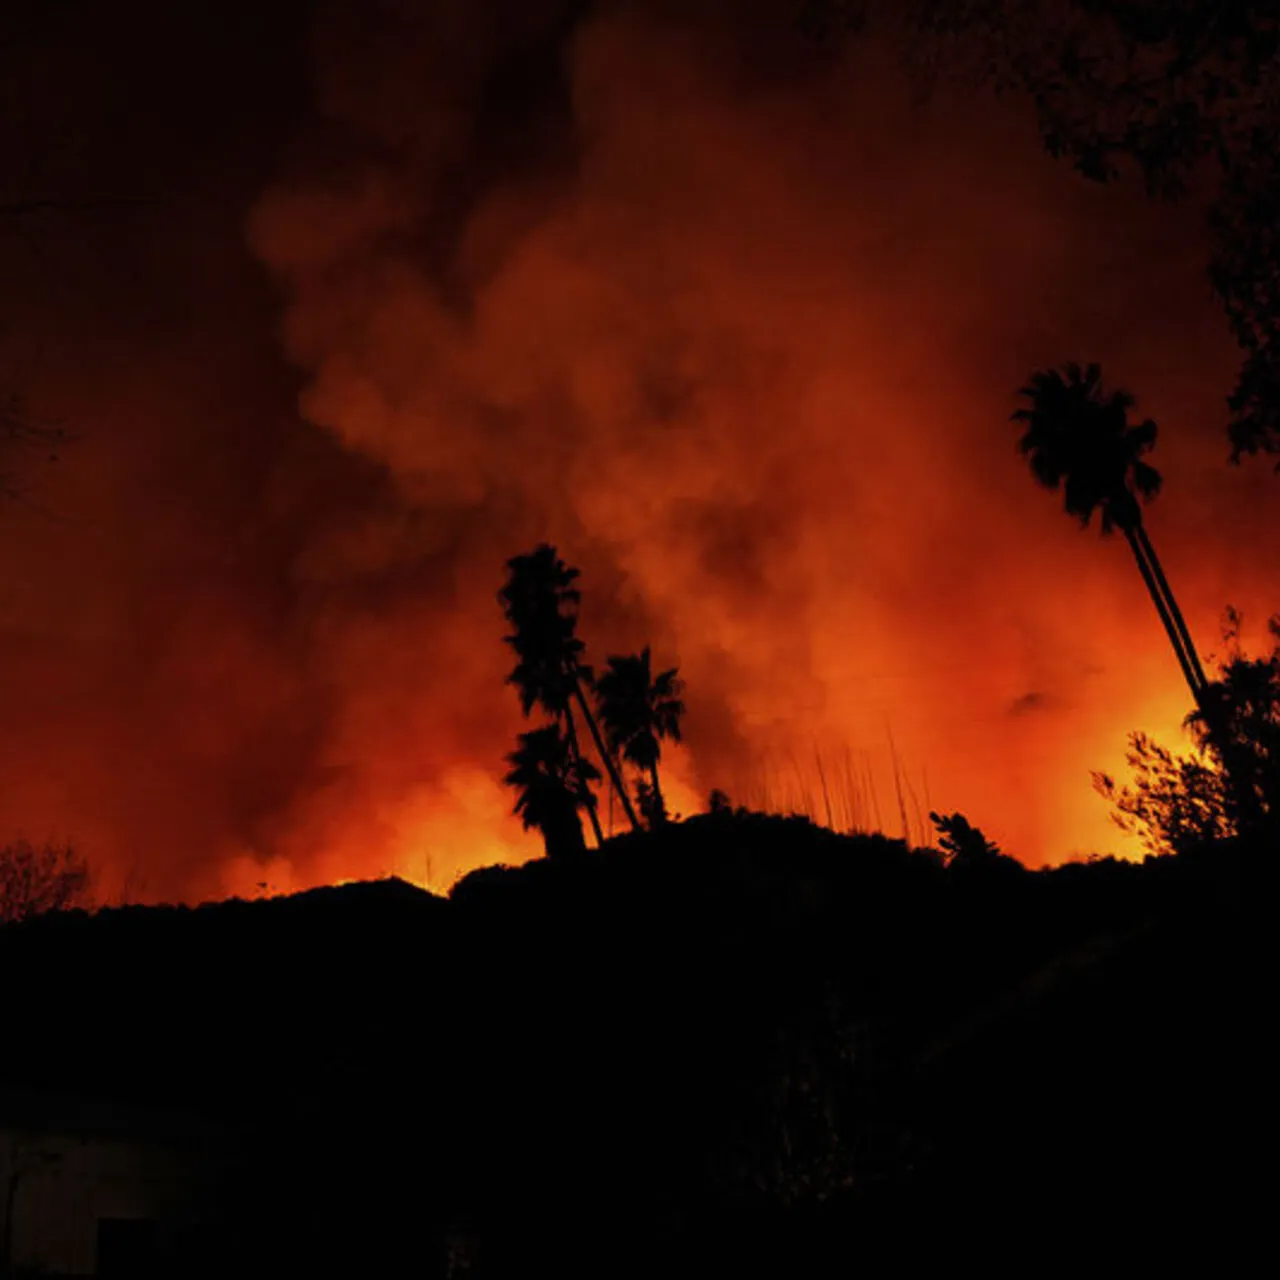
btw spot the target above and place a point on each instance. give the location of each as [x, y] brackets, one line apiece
[639, 711]
[1078, 437]
[553, 784]
[541, 604]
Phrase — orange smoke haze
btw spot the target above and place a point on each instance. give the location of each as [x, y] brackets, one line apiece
[731, 319]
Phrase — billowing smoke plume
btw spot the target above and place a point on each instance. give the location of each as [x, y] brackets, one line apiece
[730, 317]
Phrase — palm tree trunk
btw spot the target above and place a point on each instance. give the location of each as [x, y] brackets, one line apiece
[1248, 809]
[1179, 621]
[564, 838]
[609, 765]
[1171, 630]
[575, 747]
[659, 804]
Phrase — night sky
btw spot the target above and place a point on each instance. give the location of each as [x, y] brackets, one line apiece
[343, 304]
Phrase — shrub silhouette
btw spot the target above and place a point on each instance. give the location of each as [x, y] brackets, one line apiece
[38, 878]
[1179, 801]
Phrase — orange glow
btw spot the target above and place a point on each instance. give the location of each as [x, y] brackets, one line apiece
[744, 348]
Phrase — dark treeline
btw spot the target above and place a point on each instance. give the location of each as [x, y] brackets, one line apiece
[736, 1045]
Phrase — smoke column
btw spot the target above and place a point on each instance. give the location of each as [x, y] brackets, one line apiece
[733, 319]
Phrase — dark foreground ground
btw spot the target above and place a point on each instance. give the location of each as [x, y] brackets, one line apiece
[743, 1047]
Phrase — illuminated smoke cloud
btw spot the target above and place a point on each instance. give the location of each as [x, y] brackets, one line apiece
[737, 324]
[746, 353]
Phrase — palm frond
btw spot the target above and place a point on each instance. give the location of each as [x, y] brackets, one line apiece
[1077, 437]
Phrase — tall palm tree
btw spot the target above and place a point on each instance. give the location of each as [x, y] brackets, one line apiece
[540, 602]
[1078, 437]
[640, 711]
[553, 784]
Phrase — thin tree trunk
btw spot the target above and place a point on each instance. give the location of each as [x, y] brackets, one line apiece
[1248, 810]
[897, 783]
[871, 789]
[605, 756]
[1171, 630]
[1179, 621]
[563, 837]
[659, 804]
[576, 748]
[826, 794]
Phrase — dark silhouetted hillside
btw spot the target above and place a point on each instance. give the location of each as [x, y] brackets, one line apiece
[739, 1045]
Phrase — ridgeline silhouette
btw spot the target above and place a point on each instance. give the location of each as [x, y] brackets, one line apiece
[738, 1044]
